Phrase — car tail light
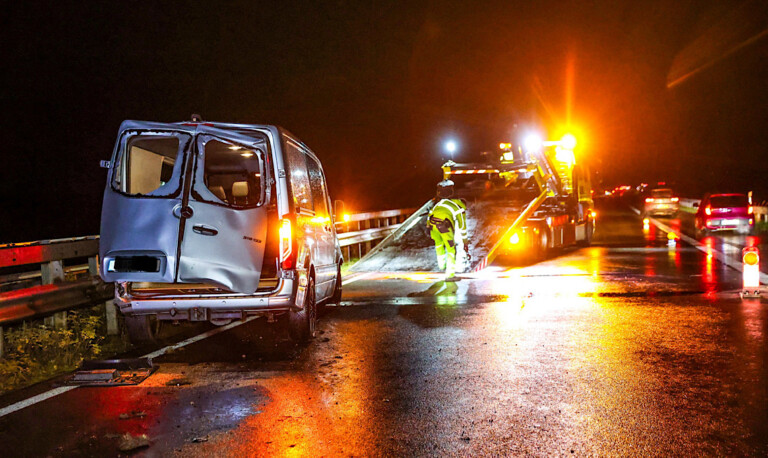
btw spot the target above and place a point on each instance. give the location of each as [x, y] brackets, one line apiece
[708, 210]
[286, 244]
[649, 199]
[675, 199]
[750, 210]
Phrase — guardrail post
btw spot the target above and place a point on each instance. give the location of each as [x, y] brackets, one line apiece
[110, 309]
[111, 314]
[366, 225]
[2, 343]
[53, 272]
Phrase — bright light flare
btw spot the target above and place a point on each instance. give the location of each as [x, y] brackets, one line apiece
[514, 239]
[345, 217]
[451, 146]
[565, 155]
[568, 141]
[533, 142]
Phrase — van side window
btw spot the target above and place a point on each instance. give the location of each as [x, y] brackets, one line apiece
[232, 173]
[145, 167]
[317, 184]
[298, 176]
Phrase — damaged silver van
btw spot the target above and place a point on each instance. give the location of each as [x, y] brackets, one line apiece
[206, 221]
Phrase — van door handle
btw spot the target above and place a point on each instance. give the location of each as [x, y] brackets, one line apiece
[205, 230]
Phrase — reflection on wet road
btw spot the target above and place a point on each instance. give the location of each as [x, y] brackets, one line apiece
[630, 347]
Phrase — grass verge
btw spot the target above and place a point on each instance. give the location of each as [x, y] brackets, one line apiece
[35, 352]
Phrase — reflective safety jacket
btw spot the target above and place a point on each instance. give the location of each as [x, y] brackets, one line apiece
[455, 211]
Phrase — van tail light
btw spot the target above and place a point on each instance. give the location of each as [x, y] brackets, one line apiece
[750, 210]
[675, 199]
[286, 244]
[649, 199]
[708, 210]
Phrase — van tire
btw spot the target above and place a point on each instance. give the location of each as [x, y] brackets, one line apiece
[141, 329]
[301, 323]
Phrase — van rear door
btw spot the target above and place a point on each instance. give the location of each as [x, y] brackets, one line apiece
[139, 234]
[224, 225]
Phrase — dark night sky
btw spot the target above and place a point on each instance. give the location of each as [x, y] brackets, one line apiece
[374, 87]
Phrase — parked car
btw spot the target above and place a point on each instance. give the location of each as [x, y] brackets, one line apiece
[217, 222]
[724, 212]
[661, 201]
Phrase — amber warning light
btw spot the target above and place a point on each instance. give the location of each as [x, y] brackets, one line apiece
[751, 272]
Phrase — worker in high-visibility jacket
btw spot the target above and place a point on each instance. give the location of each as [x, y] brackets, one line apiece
[448, 227]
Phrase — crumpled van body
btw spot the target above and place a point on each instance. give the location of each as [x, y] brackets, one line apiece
[213, 221]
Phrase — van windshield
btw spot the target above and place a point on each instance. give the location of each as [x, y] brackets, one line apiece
[149, 164]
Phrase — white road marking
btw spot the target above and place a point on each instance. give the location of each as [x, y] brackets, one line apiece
[34, 400]
[198, 338]
[356, 277]
[719, 255]
[61, 390]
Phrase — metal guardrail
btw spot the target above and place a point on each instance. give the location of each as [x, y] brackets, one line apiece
[54, 295]
[359, 231]
[45, 292]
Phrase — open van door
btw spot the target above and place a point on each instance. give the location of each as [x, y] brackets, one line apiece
[145, 186]
[224, 228]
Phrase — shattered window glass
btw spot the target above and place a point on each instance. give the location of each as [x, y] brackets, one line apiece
[297, 172]
[232, 174]
[148, 165]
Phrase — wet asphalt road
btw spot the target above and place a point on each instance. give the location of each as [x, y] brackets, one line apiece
[626, 348]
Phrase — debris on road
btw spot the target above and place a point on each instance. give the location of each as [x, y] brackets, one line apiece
[113, 372]
[199, 439]
[129, 442]
[179, 381]
[132, 414]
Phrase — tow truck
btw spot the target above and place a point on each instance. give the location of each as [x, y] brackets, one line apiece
[559, 210]
[526, 202]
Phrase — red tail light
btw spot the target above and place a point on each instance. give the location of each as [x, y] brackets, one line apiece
[708, 210]
[286, 244]
[675, 199]
[750, 210]
[649, 199]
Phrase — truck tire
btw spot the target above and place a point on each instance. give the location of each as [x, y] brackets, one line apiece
[589, 229]
[301, 323]
[141, 329]
[541, 250]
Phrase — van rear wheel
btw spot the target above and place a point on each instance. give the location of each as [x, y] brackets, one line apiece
[142, 329]
[301, 323]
